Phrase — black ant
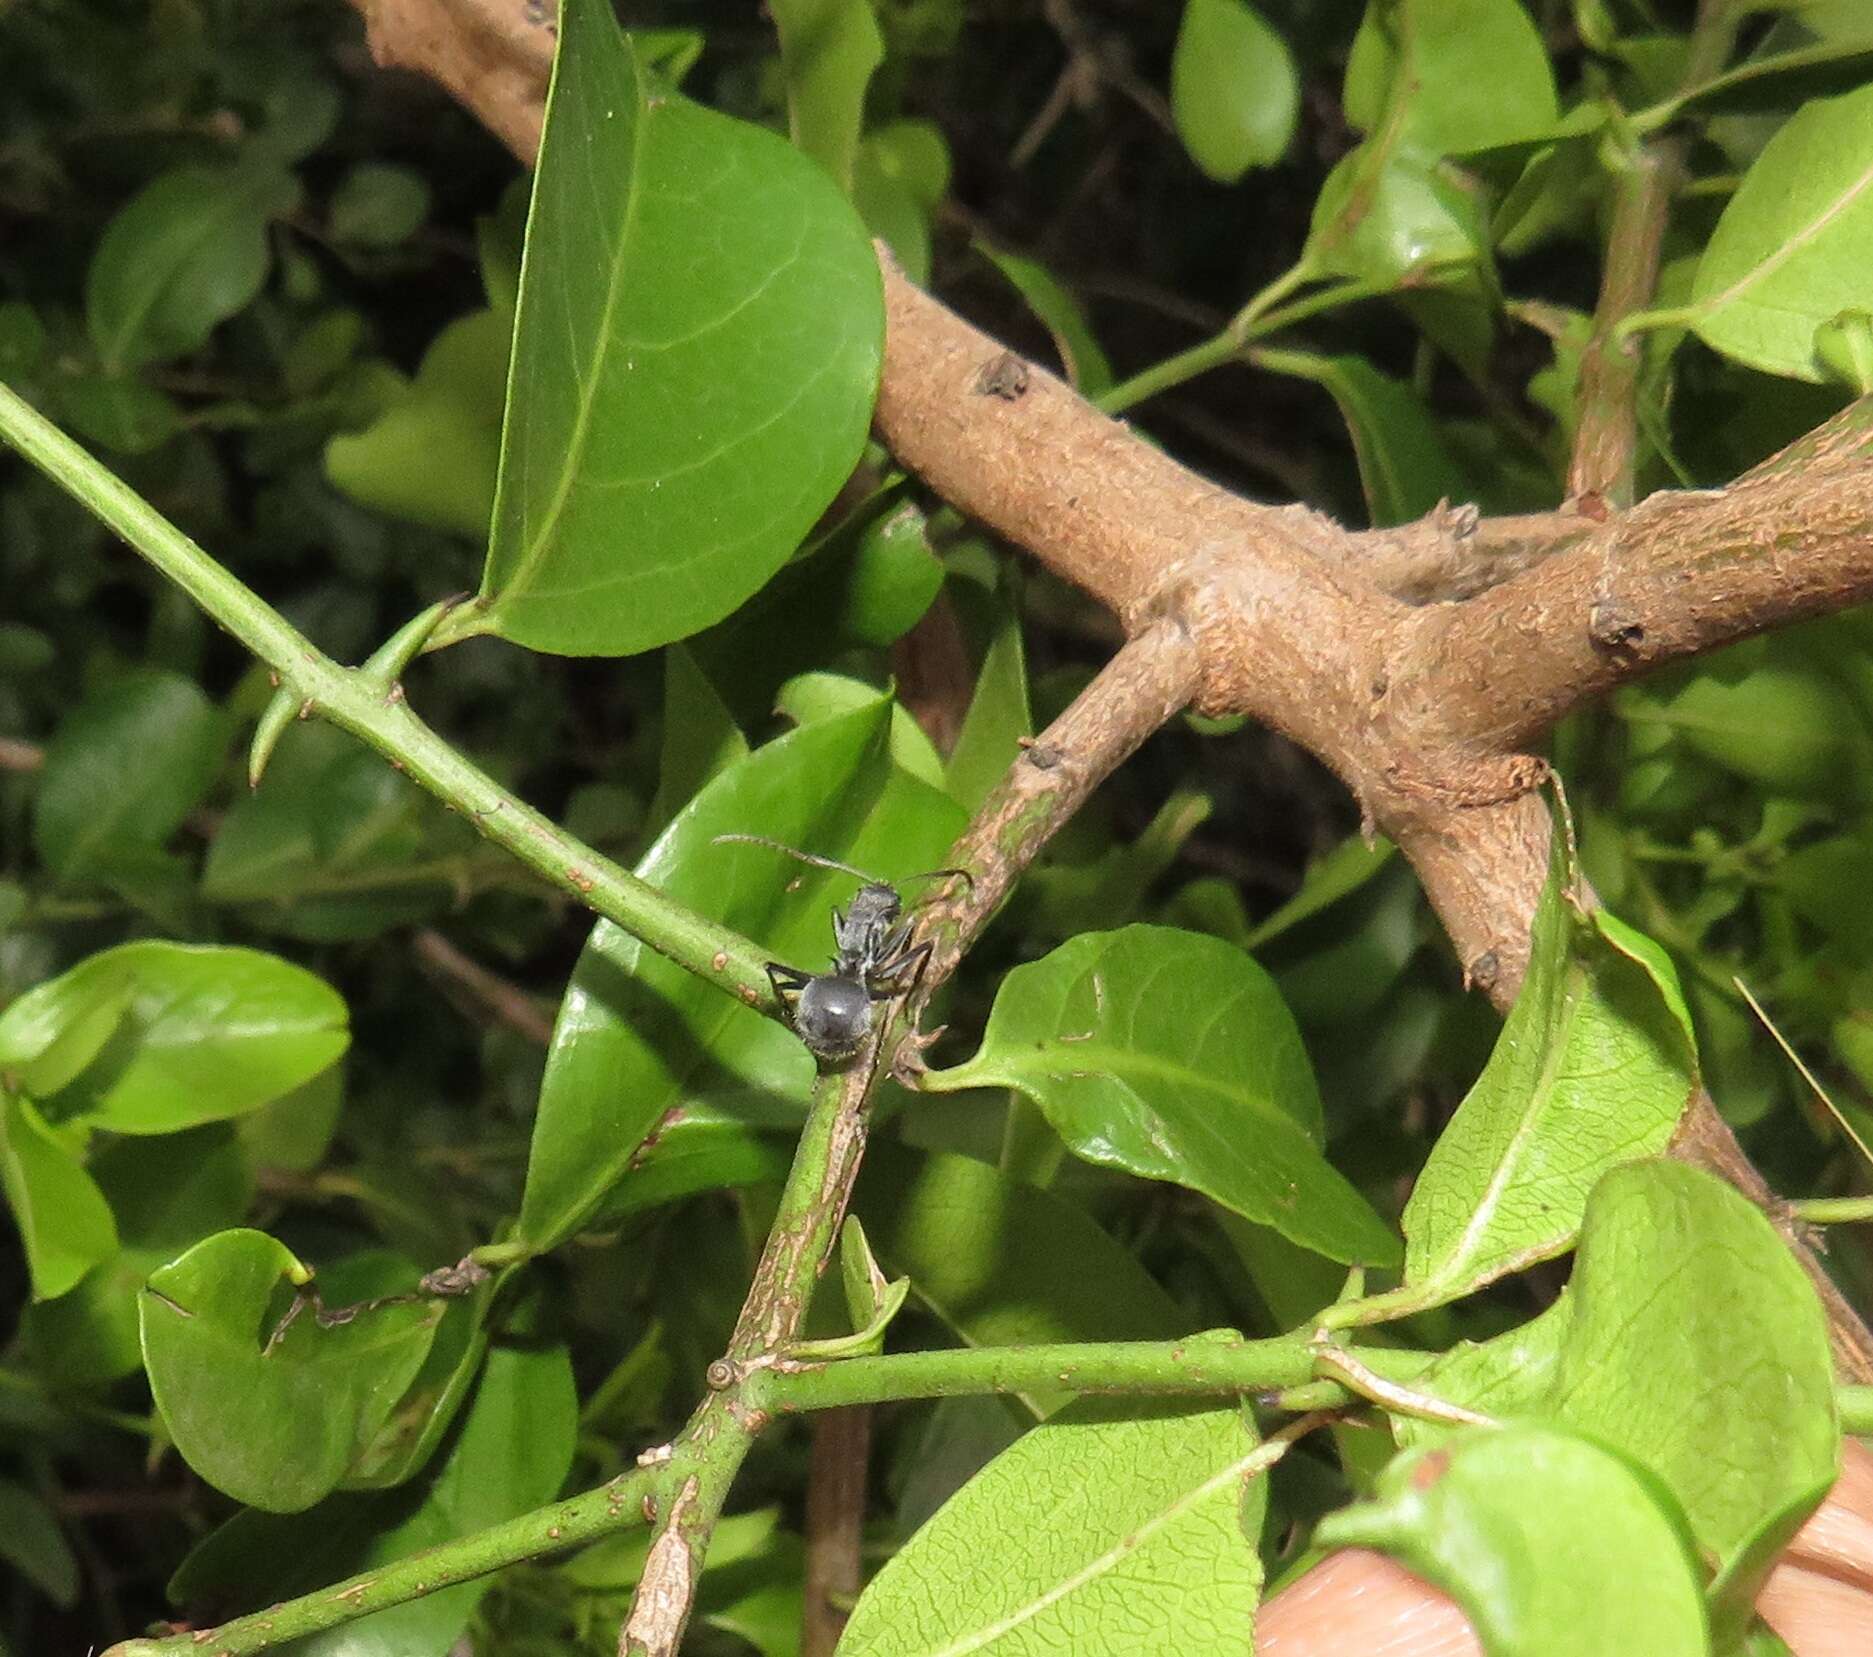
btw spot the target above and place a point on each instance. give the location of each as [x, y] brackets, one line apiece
[875, 960]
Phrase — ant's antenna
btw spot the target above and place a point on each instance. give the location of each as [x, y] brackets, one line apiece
[834, 863]
[804, 857]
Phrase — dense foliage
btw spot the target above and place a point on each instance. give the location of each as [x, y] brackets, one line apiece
[279, 1051]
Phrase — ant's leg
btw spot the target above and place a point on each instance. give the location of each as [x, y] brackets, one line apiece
[888, 974]
[786, 981]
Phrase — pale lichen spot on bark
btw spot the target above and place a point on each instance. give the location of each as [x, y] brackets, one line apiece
[661, 1608]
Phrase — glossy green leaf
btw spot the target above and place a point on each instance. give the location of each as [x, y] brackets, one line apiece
[892, 578]
[1593, 1068]
[698, 1147]
[1426, 79]
[1234, 91]
[187, 252]
[510, 1455]
[123, 770]
[1002, 1263]
[63, 1220]
[32, 1543]
[698, 345]
[638, 1037]
[1793, 246]
[166, 1193]
[1404, 464]
[1396, 216]
[814, 696]
[1599, 1563]
[828, 50]
[273, 1429]
[1098, 1525]
[1087, 368]
[998, 718]
[432, 452]
[195, 1033]
[700, 736]
[1170, 1055]
[1450, 76]
[1698, 1347]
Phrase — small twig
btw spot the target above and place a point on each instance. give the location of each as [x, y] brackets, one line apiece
[1335, 1363]
[835, 1524]
[509, 1004]
[1606, 435]
[20, 756]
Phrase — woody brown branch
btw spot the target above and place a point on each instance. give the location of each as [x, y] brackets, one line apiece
[1424, 712]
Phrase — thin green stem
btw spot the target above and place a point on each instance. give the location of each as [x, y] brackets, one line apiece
[1204, 1365]
[358, 703]
[1256, 320]
[611, 1507]
[1832, 1210]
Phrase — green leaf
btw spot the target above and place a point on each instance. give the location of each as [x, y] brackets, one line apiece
[1234, 92]
[1599, 1563]
[1793, 246]
[1449, 76]
[638, 1037]
[1087, 368]
[1404, 464]
[273, 1429]
[998, 718]
[334, 844]
[1427, 79]
[700, 736]
[900, 175]
[187, 252]
[124, 769]
[510, 1455]
[378, 205]
[698, 346]
[1086, 1530]
[1790, 729]
[814, 696]
[1779, 80]
[117, 412]
[1330, 877]
[432, 453]
[828, 50]
[1170, 1055]
[32, 1543]
[1508, 1377]
[1397, 216]
[1593, 1068]
[62, 1217]
[697, 1147]
[433, 1399]
[1698, 1346]
[190, 1033]
[1830, 885]
[166, 1193]
[1060, 899]
[891, 578]
[1006, 1264]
